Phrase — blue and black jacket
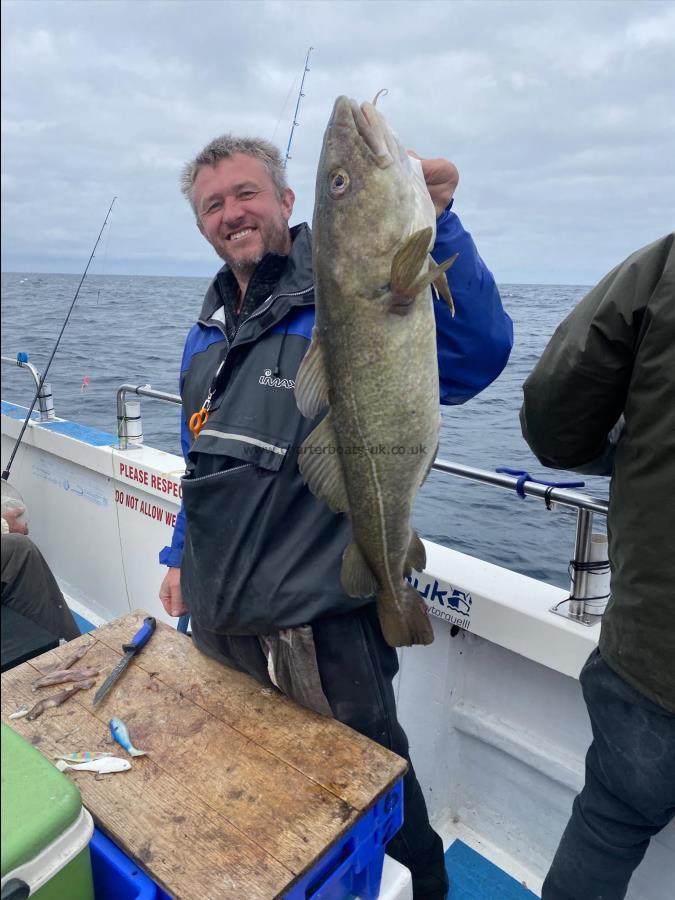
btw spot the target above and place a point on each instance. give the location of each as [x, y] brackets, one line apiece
[259, 552]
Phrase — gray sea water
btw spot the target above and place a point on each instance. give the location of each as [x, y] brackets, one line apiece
[130, 329]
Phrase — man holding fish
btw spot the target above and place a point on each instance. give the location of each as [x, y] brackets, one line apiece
[303, 459]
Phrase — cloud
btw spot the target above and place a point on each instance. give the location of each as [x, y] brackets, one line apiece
[657, 30]
[559, 116]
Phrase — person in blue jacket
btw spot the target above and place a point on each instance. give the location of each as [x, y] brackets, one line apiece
[255, 559]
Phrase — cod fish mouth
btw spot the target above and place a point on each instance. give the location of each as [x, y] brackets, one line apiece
[369, 128]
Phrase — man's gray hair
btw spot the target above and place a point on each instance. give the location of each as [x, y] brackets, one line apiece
[226, 146]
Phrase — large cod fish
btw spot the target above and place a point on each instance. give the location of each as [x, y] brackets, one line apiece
[372, 361]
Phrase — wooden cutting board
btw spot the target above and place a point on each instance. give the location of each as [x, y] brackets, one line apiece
[242, 791]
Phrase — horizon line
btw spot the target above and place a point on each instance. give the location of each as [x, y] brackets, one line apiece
[124, 275]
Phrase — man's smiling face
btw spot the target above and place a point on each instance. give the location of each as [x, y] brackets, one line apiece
[239, 212]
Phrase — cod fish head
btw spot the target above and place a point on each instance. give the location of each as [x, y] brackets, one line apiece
[370, 195]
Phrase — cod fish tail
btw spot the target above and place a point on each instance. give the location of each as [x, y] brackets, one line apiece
[403, 618]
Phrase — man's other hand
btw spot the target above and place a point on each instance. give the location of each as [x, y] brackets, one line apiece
[171, 595]
[442, 179]
[11, 516]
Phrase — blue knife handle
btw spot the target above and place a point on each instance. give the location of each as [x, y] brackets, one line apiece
[141, 638]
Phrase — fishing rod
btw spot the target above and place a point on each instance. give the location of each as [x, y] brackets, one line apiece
[5, 474]
[297, 107]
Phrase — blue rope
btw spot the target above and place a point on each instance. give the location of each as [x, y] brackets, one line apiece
[525, 476]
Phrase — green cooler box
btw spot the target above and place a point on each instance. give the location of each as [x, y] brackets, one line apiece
[45, 829]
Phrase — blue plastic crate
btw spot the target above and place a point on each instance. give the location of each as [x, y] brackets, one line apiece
[353, 866]
[116, 877]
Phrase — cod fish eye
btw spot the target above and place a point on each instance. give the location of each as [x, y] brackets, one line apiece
[339, 182]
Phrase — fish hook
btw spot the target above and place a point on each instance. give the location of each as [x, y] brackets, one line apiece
[382, 93]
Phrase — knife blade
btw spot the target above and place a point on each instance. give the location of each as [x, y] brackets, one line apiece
[138, 641]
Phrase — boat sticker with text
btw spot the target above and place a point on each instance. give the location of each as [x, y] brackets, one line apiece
[68, 479]
[161, 483]
[144, 507]
[445, 602]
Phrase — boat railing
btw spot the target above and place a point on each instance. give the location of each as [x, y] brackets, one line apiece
[582, 566]
[45, 398]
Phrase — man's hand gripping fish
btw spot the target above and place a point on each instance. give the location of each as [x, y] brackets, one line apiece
[372, 362]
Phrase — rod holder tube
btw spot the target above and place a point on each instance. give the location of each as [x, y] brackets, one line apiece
[582, 554]
[45, 398]
[598, 581]
[46, 402]
[136, 434]
[130, 424]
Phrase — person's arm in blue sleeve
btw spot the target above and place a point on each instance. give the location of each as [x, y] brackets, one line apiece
[198, 339]
[474, 345]
[171, 556]
[170, 593]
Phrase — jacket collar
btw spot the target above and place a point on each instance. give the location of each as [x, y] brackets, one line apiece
[297, 278]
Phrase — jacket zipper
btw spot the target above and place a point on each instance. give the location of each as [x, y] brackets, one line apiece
[266, 305]
[206, 406]
[215, 474]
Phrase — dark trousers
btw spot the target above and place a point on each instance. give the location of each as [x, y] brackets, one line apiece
[29, 587]
[629, 794]
[357, 667]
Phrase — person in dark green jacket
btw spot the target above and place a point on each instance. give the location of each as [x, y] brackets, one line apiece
[601, 400]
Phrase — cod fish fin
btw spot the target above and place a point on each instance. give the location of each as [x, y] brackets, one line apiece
[403, 618]
[356, 575]
[416, 557]
[320, 466]
[440, 280]
[407, 263]
[434, 274]
[311, 385]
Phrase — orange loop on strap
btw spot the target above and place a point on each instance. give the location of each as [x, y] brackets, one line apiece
[198, 420]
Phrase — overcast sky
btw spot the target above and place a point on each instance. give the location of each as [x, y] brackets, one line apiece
[559, 115]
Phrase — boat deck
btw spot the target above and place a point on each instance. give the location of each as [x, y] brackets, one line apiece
[473, 877]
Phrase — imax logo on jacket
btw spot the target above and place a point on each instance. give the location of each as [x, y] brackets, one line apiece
[273, 381]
